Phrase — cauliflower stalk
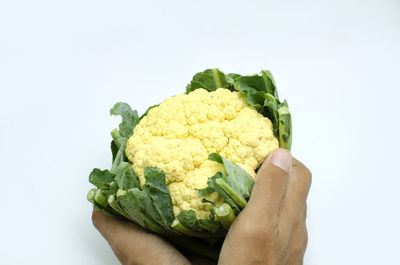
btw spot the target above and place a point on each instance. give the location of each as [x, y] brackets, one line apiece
[187, 166]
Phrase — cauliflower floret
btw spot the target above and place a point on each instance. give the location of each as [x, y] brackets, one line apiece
[179, 134]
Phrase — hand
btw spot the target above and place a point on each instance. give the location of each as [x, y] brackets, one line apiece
[271, 228]
[135, 246]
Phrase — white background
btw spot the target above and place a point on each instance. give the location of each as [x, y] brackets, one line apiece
[63, 64]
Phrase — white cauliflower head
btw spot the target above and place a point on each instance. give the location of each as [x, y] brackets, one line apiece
[179, 134]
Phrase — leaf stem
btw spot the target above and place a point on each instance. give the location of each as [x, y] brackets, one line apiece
[218, 83]
[114, 204]
[178, 226]
[90, 195]
[225, 215]
[101, 198]
[236, 197]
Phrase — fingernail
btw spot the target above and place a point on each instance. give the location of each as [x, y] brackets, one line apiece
[282, 159]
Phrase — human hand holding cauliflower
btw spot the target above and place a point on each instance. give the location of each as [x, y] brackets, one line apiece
[270, 230]
[186, 168]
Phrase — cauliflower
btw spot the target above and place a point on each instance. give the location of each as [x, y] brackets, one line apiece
[179, 134]
[185, 169]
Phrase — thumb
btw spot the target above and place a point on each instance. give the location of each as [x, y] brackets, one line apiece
[270, 185]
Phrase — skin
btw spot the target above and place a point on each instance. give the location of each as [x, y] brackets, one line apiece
[271, 229]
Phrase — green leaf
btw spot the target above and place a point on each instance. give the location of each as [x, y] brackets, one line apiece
[269, 82]
[188, 219]
[147, 206]
[237, 178]
[271, 111]
[108, 211]
[156, 187]
[129, 118]
[153, 226]
[181, 229]
[114, 150]
[265, 103]
[204, 192]
[249, 82]
[114, 204]
[255, 98]
[212, 213]
[285, 126]
[113, 188]
[210, 80]
[101, 178]
[119, 158]
[131, 206]
[264, 83]
[208, 200]
[126, 177]
[215, 157]
[209, 225]
[211, 182]
[260, 92]
[110, 189]
[118, 138]
[234, 76]
[236, 197]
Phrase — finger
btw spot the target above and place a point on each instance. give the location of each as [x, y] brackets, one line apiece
[296, 253]
[299, 182]
[131, 243]
[104, 224]
[110, 227]
[270, 185]
[298, 244]
[119, 235]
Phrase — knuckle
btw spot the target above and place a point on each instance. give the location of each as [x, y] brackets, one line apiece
[262, 234]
